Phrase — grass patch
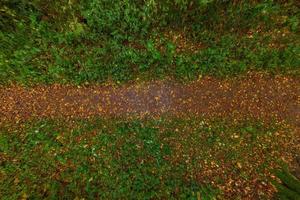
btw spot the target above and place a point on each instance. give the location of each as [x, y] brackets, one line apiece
[164, 158]
[99, 40]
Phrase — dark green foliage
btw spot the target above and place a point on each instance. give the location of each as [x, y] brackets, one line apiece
[289, 187]
[120, 19]
[96, 40]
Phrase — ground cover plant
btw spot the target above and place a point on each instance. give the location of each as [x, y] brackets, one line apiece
[158, 158]
[289, 188]
[82, 41]
[149, 99]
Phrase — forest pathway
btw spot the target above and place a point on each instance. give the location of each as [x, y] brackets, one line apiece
[254, 96]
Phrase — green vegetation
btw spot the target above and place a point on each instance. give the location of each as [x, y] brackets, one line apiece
[289, 187]
[81, 41]
[97, 41]
[115, 159]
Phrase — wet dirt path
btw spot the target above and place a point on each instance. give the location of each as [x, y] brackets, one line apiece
[255, 96]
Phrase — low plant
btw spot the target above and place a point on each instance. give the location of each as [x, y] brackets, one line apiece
[288, 187]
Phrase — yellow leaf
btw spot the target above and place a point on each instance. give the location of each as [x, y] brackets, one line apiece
[239, 165]
[198, 196]
[24, 196]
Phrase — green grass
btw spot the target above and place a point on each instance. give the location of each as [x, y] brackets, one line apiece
[139, 159]
[89, 42]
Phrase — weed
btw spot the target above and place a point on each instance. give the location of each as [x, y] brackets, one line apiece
[166, 158]
[88, 42]
[289, 188]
